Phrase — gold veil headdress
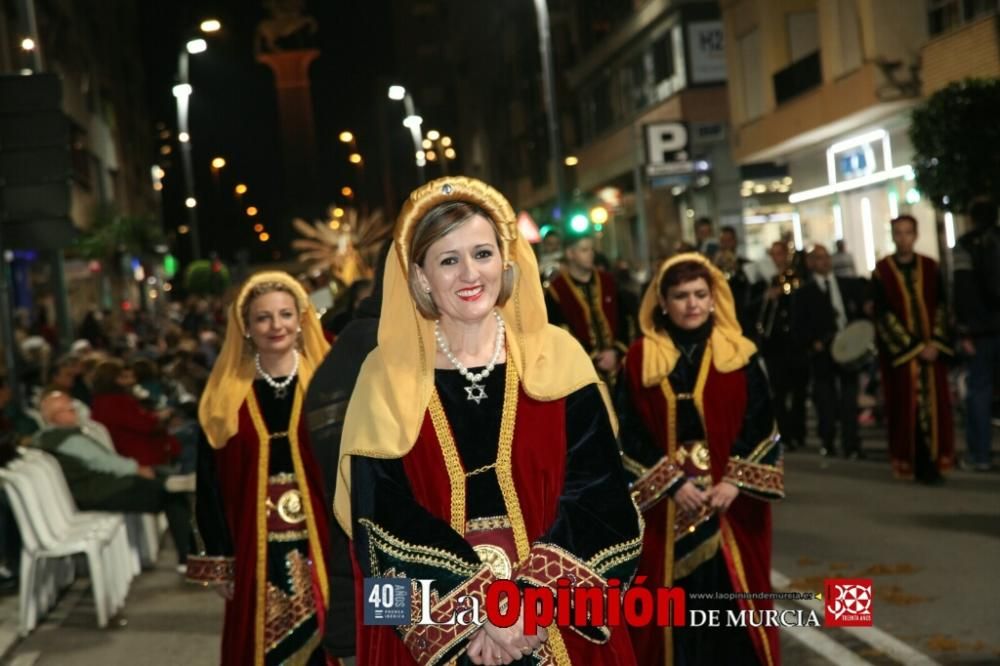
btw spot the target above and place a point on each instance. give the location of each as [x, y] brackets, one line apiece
[730, 350]
[233, 373]
[394, 388]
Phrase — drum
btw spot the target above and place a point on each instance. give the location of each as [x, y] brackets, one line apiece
[854, 347]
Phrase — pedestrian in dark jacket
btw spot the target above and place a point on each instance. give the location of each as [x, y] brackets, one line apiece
[977, 311]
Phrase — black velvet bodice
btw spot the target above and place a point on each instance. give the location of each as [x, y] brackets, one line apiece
[476, 429]
[684, 377]
[277, 413]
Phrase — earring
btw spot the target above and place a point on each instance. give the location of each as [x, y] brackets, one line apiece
[427, 289]
[300, 330]
[247, 336]
[664, 311]
[712, 309]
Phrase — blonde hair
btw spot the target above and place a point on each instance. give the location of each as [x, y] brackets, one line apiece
[435, 225]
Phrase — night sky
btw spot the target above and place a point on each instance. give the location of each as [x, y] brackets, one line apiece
[234, 110]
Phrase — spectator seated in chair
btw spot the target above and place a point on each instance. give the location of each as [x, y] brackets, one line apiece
[102, 480]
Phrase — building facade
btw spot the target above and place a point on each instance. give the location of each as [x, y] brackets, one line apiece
[820, 97]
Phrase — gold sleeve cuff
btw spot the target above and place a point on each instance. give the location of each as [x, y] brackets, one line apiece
[210, 569]
[431, 643]
[654, 484]
[547, 563]
[762, 481]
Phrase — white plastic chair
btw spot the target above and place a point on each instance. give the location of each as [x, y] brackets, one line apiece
[71, 515]
[40, 544]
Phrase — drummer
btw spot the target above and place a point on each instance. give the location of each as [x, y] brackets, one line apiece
[826, 305]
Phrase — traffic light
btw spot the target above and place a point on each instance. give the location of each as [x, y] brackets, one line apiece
[579, 223]
[35, 165]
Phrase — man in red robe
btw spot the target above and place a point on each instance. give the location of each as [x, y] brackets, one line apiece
[910, 319]
[583, 299]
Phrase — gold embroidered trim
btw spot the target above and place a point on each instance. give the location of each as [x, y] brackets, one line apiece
[908, 356]
[734, 551]
[765, 445]
[651, 486]
[701, 554]
[452, 461]
[768, 479]
[487, 523]
[610, 557]
[632, 466]
[278, 435]
[546, 564]
[686, 523]
[287, 612]
[210, 569]
[282, 478]
[429, 642]
[315, 548]
[411, 552]
[301, 658]
[283, 537]
[505, 479]
[260, 573]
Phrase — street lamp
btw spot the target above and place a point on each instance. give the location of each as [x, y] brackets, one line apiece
[413, 122]
[182, 93]
[440, 147]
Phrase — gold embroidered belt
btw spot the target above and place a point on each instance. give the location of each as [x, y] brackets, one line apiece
[493, 540]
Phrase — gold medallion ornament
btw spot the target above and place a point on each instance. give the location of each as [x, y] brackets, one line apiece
[495, 558]
[290, 507]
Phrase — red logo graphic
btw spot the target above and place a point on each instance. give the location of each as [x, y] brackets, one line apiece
[848, 602]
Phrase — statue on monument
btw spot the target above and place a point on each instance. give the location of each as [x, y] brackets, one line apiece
[288, 28]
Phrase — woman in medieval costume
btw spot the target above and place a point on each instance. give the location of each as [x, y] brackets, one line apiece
[478, 444]
[698, 437]
[260, 509]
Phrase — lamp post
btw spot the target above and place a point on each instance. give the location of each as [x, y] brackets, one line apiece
[413, 122]
[551, 112]
[182, 93]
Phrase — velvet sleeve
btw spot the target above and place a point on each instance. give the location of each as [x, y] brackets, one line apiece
[214, 559]
[755, 463]
[597, 533]
[396, 537]
[651, 474]
[895, 338]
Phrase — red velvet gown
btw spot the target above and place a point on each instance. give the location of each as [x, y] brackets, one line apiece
[262, 526]
[909, 313]
[541, 480]
[705, 426]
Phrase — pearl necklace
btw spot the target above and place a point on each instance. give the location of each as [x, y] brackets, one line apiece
[476, 392]
[280, 388]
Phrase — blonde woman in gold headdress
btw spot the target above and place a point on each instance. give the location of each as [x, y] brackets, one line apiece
[478, 445]
[698, 437]
[260, 505]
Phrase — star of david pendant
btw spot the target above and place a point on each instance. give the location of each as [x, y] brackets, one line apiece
[476, 393]
[280, 393]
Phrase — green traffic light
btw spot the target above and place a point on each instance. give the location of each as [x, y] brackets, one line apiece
[579, 223]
